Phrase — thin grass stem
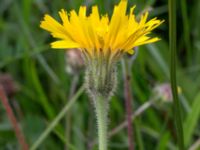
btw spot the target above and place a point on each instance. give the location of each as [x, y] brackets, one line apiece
[186, 28]
[68, 115]
[173, 47]
[62, 113]
[137, 113]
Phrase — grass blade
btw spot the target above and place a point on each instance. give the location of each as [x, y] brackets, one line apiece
[173, 47]
[57, 119]
[192, 119]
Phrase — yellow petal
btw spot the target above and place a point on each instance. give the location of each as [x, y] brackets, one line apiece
[143, 19]
[64, 44]
[119, 14]
[95, 14]
[50, 24]
[64, 17]
[82, 11]
[95, 32]
[56, 29]
[131, 51]
[152, 40]
[78, 29]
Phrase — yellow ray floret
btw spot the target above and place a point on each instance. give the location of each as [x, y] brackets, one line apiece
[95, 33]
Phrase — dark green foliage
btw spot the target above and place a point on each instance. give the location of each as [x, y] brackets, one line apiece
[45, 87]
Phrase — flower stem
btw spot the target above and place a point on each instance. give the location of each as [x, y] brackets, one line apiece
[13, 120]
[101, 106]
[128, 100]
[172, 45]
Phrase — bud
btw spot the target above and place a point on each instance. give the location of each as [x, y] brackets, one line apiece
[164, 92]
[74, 61]
[8, 84]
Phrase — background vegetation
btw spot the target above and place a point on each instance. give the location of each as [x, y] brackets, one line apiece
[43, 87]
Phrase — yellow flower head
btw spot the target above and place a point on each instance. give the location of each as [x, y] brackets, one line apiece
[97, 34]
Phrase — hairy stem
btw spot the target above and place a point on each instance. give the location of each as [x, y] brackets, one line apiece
[101, 106]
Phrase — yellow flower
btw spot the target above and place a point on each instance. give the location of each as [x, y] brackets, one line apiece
[102, 41]
[97, 34]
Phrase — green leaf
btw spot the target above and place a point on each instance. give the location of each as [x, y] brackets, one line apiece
[192, 119]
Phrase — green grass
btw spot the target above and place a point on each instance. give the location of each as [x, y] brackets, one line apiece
[173, 51]
[44, 86]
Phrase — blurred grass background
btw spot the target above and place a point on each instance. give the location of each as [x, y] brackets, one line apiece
[44, 86]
